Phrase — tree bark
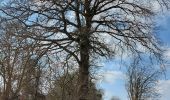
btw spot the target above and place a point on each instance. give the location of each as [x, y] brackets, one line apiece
[84, 62]
[85, 54]
[84, 70]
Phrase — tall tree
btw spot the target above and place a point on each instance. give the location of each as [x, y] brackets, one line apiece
[142, 80]
[16, 54]
[81, 30]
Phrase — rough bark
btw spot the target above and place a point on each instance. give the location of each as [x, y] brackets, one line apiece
[84, 71]
[85, 55]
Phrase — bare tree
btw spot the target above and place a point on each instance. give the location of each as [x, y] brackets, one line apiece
[142, 80]
[16, 61]
[65, 88]
[81, 30]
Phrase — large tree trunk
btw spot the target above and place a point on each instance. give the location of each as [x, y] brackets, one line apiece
[84, 54]
[84, 70]
[83, 80]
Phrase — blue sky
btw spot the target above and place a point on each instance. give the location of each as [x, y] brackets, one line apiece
[113, 82]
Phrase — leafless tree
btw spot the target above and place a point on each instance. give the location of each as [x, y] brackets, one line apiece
[142, 80]
[81, 30]
[65, 88]
[16, 65]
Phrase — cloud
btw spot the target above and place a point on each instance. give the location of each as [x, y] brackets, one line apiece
[111, 77]
[164, 89]
[108, 94]
[110, 80]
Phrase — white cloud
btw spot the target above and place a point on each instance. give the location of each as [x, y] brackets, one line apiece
[164, 89]
[108, 80]
[108, 94]
[111, 77]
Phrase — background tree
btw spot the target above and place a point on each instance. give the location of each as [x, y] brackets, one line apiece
[65, 87]
[142, 80]
[82, 30]
[16, 64]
